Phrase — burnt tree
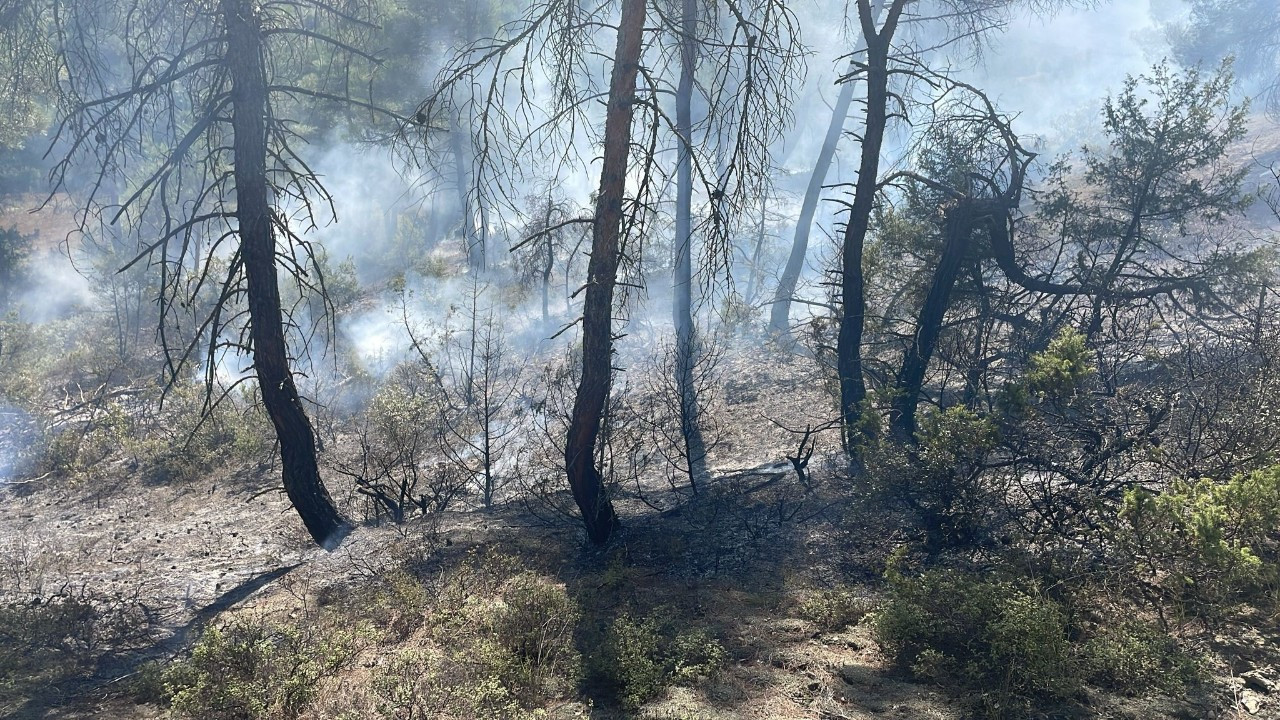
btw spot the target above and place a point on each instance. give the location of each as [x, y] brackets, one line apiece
[190, 106]
[602, 276]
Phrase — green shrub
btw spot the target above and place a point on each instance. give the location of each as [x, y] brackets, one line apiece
[147, 686]
[492, 657]
[420, 683]
[950, 490]
[183, 441]
[397, 603]
[833, 609]
[256, 669]
[1204, 545]
[535, 623]
[643, 657]
[489, 640]
[1134, 657]
[1003, 645]
[1062, 368]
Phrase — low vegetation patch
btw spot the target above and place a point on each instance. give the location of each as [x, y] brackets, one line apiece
[643, 656]
[1002, 645]
[254, 669]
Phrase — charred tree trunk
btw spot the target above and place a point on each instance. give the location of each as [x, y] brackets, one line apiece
[958, 228]
[853, 389]
[602, 275]
[695, 448]
[246, 64]
[780, 313]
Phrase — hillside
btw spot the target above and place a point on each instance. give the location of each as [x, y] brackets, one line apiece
[711, 360]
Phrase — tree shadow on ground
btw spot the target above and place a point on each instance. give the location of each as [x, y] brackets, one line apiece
[113, 668]
[727, 562]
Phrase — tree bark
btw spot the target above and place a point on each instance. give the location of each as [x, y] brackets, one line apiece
[471, 243]
[853, 389]
[548, 265]
[246, 64]
[602, 275]
[695, 448]
[958, 228]
[780, 313]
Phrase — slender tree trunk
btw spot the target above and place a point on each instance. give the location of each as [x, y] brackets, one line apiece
[753, 275]
[853, 389]
[246, 63]
[549, 263]
[602, 275]
[695, 448]
[471, 243]
[958, 228]
[780, 314]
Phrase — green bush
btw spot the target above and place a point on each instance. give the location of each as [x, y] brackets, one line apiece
[495, 647]
[833, 609]
[398, 605]
[535, 623]
[256, 669]
[183, 441]
[950, 490]
[1135, 658]
[1204, 545]
[420, 683]
[643, 657]
[1004, 646]
[1062, 368]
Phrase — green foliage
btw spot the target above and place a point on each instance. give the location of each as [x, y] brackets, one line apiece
[1164, 127]
[534, 623]
[1204, 545]
[949, 490]
[834, 608]
[1135, 658]
[175, 444]
[955, 436]
[411, 249]
[341, 283]
[398, 434]
[1004, 645]
[1059, 371]
[484, 640]
[398, 604]
[423, 683]
[1164, 166]
[256, 669]
[642, 657]
[737, 314]
[147, 686]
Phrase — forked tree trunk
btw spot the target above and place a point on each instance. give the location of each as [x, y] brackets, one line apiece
[246, 63]
[602, 275]
[780, 313]
[695, 448]
[853, 389]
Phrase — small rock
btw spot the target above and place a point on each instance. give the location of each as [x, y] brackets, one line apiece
[1250, 702]
[1255, 680]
